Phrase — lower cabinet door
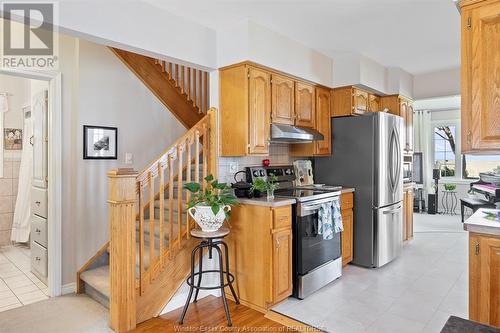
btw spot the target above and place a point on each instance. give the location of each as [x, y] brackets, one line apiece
[282, 265]
[347, 236]
[39, 260]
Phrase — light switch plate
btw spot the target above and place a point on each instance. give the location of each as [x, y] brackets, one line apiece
[233, 167]
[129, 158]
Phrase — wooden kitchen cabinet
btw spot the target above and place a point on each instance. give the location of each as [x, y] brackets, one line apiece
[245, 105]
[480, 77]
[484, 279]
[323, 125]
[304, 105]
[283, 100]
[260, 254]
[282, 264]
[346, 205]
[374, 103]
[349, 101]
[403, 107]
[408, 213]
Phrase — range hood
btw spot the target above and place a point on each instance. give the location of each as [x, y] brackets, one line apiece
[293, 134]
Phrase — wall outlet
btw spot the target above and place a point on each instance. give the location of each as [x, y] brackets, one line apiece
[233, 167]
[129, 158]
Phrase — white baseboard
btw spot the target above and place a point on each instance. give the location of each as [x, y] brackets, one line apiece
[69, 288]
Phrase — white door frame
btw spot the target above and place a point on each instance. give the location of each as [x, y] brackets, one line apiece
[54, 160]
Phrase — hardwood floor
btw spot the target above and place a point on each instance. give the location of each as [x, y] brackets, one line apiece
[208, 314]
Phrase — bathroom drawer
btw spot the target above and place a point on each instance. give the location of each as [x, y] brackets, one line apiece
[39, 201]
[38, 259]
[39, 230]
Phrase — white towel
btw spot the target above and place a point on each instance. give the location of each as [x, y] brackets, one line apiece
[4, 103]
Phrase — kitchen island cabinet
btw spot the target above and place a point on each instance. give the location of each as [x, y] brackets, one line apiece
[260, 254]
[484, 269]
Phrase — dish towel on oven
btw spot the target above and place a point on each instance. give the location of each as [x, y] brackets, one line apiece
[329, 219]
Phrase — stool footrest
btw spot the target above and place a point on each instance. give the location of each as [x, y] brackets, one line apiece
[231, 280]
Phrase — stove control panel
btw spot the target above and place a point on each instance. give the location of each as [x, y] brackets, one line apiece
[283, 173]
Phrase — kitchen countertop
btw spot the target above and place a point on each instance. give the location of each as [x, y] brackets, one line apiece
[477, 223]
[347, 190]
[277, 202]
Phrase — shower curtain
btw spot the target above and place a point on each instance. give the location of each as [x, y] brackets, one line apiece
[21, 225]
[422, 125]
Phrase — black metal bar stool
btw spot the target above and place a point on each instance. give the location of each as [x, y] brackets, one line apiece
[211, 241]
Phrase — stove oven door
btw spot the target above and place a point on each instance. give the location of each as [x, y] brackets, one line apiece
[312, 251]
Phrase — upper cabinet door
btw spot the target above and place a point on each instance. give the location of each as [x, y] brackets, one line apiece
[359, 101]
[403, 112]
[283, 100]
[481, 77]
[259, 111]
[304, 104]
[374, 103]
[409, 127]
[323, 123]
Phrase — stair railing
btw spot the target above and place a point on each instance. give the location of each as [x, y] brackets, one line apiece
[149, 195]
[192, 82]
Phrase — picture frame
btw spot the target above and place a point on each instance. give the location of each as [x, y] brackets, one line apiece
[100, 143]
[13, 138]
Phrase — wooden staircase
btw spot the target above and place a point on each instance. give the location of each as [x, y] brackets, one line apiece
[148, 256]
[182, 89]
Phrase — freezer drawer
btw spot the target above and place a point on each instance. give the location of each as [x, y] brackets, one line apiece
[38, 260]
[388, 233]
[39, 201]
[39, 230]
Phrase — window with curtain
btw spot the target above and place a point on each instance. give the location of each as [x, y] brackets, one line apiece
[445, 150]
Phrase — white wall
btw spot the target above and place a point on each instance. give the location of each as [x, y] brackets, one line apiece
[19, 88]
[99, 90]
[436, 84]
[248, 40]
[138, 26]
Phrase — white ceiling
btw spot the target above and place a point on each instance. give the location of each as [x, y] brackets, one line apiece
[420, 36]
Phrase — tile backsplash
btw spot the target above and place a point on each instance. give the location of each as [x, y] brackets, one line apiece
[279, 154]
[8, 195]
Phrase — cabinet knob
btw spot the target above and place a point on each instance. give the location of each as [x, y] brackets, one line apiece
[38, 230]
[476, 248]
[277, 243]
[469, 136]
[38, 203]
[38, 258]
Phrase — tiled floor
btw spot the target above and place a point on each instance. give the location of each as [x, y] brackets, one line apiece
[415, 293]
[18, 286]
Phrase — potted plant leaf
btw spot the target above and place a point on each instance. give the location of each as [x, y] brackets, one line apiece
[209, 207]
[263, 185]
[450, 187]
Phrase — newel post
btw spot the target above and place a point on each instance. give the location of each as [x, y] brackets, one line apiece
[122, 212]
[213, 166]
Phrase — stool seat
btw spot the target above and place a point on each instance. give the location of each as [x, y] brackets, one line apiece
[221, 233]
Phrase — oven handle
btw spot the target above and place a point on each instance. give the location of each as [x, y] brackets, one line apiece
[317, 204]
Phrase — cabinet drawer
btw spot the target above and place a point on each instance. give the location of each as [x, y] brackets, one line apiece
[39, 201]
[39, 230]
[39, 259]
[346, 200]
[282, 217]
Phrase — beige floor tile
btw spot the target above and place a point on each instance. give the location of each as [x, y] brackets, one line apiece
[36, 299]
[18, 281]
[8, 301]
[10, 307]
[37, 294]
[393, 323]
[25, 289]
[6, 293]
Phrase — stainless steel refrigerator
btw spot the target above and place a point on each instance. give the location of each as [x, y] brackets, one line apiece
[367, 155]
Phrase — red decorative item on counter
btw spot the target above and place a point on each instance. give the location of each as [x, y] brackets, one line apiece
[266, 162]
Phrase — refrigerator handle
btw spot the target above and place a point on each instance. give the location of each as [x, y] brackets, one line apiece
[399, 163]
[391, 161]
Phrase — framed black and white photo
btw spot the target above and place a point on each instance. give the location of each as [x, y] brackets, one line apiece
[100, 143]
